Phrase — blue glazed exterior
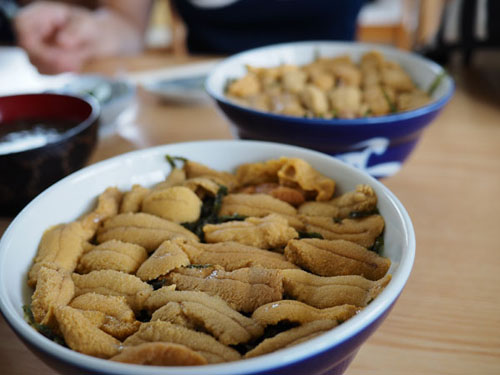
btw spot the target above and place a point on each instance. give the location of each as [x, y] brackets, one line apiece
[338, 137]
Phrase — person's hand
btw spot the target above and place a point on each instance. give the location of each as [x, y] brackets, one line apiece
[56, 36]
[60, 37]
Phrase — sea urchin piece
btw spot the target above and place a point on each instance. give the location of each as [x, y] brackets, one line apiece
[53, 289]
[132, 200]
[259, 205]
[166, 258]
[322, 292]
[197, 309]
[143, 229]
[194, 169]
[108, 204]
[82, 336]
[244, 289]
[299, 312]
[118, 318]
[177, 203]
[362, 199]
[60, 248]
[292, 337]
[336, 258]
[205, 345]
[362, 231]
[233, 255]
[114, 283]
[269, 232]
[160, 354]
[298, 172]
[112, 255]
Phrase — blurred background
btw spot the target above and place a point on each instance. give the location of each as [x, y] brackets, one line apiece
[451, 32]
[145, 61]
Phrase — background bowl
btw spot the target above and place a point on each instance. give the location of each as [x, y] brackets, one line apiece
[27, 172]
[378, 145]
[65, 201]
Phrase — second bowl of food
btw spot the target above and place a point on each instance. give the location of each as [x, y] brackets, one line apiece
[364, 103]
[213, 258]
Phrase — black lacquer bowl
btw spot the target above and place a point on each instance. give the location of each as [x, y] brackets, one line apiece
[43, 137]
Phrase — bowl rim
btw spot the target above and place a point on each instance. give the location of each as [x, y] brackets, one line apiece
[289, 356]
[434, 105]
[95, 111]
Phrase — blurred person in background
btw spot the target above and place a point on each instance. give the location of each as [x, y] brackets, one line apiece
[61, 37]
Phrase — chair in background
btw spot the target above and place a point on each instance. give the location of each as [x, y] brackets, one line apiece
[391, 22]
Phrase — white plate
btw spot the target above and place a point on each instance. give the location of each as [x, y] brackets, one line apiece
[185, 83]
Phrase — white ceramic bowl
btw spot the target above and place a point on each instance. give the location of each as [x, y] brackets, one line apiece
[74, 195]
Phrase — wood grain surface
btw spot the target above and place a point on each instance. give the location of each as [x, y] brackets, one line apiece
[447, 320]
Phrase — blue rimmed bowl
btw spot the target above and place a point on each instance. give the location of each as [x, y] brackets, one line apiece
[329, 353]
[377, 145]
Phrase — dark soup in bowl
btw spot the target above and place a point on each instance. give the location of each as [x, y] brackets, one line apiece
[43, 138]
[26, 134]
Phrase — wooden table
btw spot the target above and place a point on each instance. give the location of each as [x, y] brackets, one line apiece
[447, 320]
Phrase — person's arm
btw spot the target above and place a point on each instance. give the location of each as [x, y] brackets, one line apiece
[129, 16]
[60, 37]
